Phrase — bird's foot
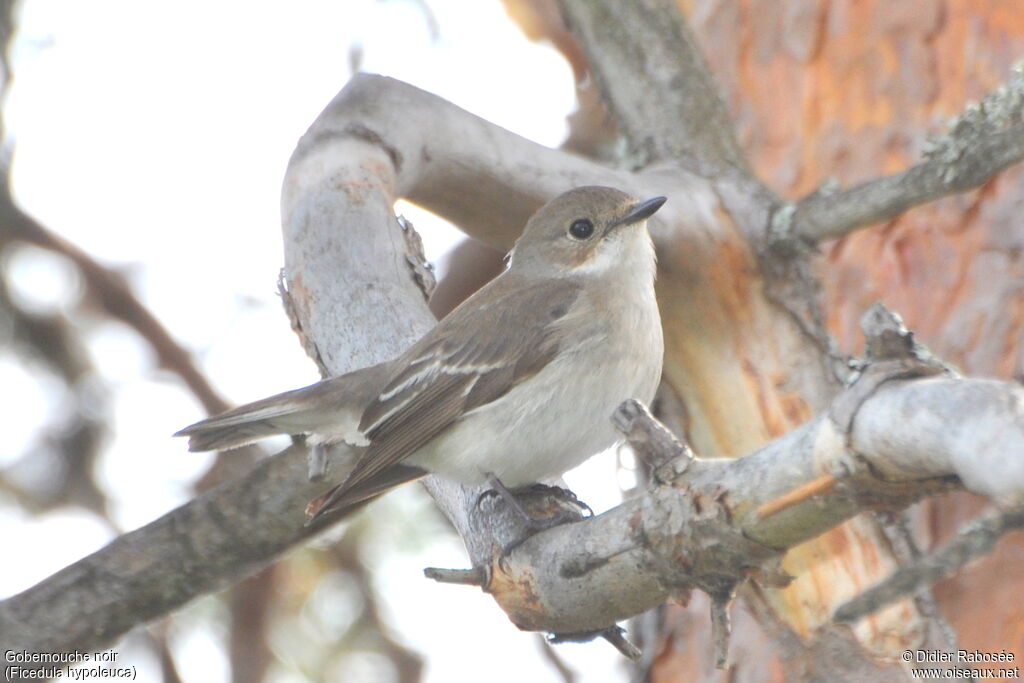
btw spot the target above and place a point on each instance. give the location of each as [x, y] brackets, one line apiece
[537, 507]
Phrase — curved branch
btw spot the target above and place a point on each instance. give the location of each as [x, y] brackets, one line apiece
[438, 150]
[659, 88]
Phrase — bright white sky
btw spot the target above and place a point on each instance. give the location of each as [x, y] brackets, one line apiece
[155, 135]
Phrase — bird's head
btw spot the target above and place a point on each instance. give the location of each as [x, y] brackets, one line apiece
[587, 230]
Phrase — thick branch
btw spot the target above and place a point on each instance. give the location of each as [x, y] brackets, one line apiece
[481, 177]
[658, 87]
[241, 526]
[707, 529]
[225, 534]
[938, 426]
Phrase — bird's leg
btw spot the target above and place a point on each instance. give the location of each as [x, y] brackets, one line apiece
[317, 461]
[510, 500]
[562, 515]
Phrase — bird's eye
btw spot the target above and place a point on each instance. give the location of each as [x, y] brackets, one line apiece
[581, 229]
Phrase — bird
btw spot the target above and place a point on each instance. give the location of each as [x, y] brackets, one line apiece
[514, 386]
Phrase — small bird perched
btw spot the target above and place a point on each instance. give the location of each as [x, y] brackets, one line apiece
[516, 384]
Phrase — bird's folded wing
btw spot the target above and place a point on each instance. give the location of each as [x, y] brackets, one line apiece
[475, 356]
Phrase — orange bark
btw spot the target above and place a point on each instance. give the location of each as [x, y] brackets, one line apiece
[849, 90]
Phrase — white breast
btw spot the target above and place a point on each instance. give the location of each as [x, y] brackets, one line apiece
[561, 416]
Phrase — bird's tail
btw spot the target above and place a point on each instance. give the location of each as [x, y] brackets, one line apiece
[245, 424]
[333, 405]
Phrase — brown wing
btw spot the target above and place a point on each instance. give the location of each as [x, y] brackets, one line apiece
[450, 371]
[351, 499]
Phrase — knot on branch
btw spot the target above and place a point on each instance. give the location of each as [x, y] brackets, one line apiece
[783, 240]
[416, 258]
[691, 541]
[888, 339]
[689, 536]
[891, 353]
[653, 443]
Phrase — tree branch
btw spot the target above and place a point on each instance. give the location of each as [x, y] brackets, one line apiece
[229, 532]
[656, 83]
[983, 141]
[658, 87]
[705, 529]
[977, 539]
[116, 299]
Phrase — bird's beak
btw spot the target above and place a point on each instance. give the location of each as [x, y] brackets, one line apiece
[638, 212]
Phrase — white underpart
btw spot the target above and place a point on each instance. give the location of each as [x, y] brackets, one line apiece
[562, 415]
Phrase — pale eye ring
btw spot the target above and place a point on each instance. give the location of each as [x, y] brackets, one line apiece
[581, 229]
